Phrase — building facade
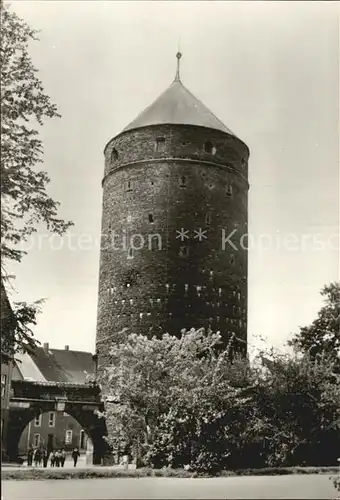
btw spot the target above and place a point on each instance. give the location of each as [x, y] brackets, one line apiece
[7, 331]
[54, 429]
[175, 193]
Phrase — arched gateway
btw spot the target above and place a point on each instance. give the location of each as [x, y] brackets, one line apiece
[59, 381]
[82, 401]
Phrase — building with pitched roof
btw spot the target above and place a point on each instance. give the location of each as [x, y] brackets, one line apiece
[175, 186]
[8, 323]
[55, 429]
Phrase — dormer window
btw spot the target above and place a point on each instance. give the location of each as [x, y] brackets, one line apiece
[209, 148]
[114, 155]
[160, 144]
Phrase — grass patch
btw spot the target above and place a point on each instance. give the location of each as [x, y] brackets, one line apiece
[102, 472]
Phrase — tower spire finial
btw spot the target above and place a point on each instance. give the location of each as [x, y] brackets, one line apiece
[178, 55]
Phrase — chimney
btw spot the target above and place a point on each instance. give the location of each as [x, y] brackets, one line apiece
[67, 348]
[46, 346]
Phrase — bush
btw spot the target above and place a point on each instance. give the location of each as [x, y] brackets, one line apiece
[43, 474]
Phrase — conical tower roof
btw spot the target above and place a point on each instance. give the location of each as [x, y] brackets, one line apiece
[178, 106]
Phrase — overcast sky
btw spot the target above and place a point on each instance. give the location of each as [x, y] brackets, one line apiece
[268, 70]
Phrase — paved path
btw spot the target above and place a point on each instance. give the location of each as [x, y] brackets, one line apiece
[311, 486]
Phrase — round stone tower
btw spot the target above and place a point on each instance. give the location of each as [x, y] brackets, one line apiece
[174, 224]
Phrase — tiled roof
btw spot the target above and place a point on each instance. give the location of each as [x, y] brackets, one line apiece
[27, 368]
[58, 365]
[177, 105]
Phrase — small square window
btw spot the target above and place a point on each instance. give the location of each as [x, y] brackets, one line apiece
[160, 144]
[210, 148]
[155, 242]
[184, 251]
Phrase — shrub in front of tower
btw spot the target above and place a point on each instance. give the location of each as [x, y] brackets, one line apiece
[182, 403]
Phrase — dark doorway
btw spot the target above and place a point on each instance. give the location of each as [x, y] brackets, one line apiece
[82, 440]
[50, 442]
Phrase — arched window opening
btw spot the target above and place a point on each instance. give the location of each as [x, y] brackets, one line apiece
[66, 434]
[209, 148]
[160, 144]
[114, 155]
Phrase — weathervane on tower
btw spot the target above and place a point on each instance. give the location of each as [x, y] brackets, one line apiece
[178, 55]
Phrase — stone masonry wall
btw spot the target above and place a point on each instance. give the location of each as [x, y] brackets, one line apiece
[159, 180]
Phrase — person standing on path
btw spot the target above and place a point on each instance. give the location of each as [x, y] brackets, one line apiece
[37, 457]
[63, 457]
[75, 456]
[45, 457]
[57, 458]
[52, 458]
[30, 456]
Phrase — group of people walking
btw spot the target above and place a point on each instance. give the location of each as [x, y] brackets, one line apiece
[38, 456]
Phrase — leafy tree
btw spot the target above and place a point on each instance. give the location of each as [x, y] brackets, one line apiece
[25, 202]
[149, 377]
[323, 335]
[182, 402]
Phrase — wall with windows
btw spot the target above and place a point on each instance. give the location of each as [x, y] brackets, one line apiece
[168, 193]
[54, 430]
[6, 377]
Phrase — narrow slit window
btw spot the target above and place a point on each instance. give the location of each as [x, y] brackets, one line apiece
[229, 190]
[129, 185]
[130, 253]
[183, 181]
[151, 218]
[232, 259]
[208, 218]
[160, 144]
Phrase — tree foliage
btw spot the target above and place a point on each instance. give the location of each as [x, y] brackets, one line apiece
[24, 107]
[25, 202]
[323, 335]
[182, 402]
